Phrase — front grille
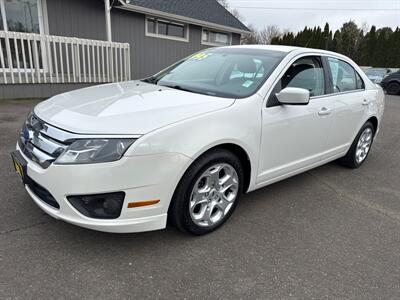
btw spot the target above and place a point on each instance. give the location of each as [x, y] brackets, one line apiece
[42, 193]
[38, 141]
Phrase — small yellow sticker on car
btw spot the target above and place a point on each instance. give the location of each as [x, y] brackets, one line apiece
[200, 55]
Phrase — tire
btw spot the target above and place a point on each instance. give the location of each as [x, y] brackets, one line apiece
[213, 207]
[393, 88]
[354, 159]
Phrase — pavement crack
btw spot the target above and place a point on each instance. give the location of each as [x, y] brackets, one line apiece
[24, 227]
[366, 204]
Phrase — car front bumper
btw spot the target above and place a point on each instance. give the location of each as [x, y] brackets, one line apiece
[142, 178]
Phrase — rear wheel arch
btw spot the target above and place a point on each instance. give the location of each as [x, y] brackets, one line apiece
[350, 159]
[374, 121]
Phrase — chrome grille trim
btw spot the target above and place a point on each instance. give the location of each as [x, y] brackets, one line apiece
[47, 145]
[39, 142]
[44, 143]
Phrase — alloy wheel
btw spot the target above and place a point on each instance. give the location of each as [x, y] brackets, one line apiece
[364, 145]
[213, 195]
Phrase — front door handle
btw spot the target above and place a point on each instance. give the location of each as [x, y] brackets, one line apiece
[324, 111]
[365, 102]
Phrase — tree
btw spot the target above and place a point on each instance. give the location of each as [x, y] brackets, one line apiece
[337, 42]
[350, 34]
[326, 37]
[371, 40]
[252, 37]
[266, 34]
[383, 57]
[368, 47]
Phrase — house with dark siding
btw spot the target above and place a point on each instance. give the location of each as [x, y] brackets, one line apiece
[51, 46]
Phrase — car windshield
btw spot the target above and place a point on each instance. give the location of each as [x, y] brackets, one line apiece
[221, 72]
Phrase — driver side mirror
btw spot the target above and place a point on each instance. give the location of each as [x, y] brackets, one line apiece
[293, 96]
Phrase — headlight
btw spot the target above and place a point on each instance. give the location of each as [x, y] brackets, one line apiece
[94, 151]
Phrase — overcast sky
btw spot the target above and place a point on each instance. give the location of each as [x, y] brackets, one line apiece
[295, 14]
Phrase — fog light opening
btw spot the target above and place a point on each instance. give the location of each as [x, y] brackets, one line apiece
[100, 206]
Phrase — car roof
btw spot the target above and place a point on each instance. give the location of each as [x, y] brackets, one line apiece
[266, 47]
[379, 69]
[286, 49]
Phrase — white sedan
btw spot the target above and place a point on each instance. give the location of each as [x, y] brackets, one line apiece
[184, 144]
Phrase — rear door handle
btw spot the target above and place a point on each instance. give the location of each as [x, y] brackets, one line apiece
[324, 111]
[365, 102]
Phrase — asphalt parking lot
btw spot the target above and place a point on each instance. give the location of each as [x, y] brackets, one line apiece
[328, 233]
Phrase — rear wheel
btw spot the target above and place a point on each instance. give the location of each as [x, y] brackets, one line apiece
[393, 88]
[360, 147]
[208, 193]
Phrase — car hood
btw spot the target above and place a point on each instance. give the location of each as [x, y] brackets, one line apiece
[132, 107]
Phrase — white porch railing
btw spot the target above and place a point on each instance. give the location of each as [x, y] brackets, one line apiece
[34, 58]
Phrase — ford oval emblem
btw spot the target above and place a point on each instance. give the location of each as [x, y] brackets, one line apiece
[26, 133]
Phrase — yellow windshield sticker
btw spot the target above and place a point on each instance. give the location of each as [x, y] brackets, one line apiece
[200, 55]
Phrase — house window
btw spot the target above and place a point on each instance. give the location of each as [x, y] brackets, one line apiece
[24, 16]
[21, 16]
[214, 38]
[166, 29]
[1, 20]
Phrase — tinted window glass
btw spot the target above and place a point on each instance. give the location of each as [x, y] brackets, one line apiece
[360, 82]
[1, 21]
[162, 28]
[259, 71]
[343, 76]
[151, 25]
[306, 73]
[176, 30]
[22, 16]
[166, 28]
[216, 38]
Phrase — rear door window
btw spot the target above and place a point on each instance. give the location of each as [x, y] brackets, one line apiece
[344, 77]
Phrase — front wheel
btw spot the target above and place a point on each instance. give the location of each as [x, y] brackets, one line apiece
[208, 192]
[360, 147]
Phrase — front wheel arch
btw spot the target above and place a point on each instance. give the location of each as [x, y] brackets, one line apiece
[177, 213]
[242, 155]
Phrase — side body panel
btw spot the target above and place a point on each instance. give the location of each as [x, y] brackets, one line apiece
[239, 124]
[293, 137]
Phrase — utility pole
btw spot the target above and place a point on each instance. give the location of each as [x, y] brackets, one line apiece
[107, 10]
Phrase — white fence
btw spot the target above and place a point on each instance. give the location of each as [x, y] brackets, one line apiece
[34, 58]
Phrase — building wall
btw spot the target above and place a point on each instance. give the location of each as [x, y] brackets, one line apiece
[43, 90]
[150, 54]
[85, 19]
[77, 18]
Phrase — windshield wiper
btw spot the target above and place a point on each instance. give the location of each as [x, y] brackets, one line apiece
[150, 80]
[178, 87]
